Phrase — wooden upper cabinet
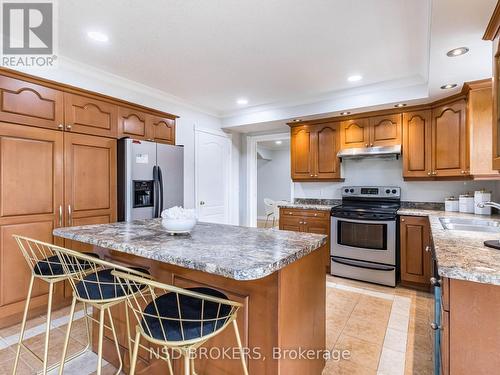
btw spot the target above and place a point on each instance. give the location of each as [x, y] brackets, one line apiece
[133, 124]
[449, 140]
[302, 154]
[355, 133]
[314, 152]
[417, 138]
[385, 130]
[26, 103]
[326, 145]
[90, 116]
[161, 129]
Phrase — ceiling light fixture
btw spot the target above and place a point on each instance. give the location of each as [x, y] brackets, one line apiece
[448, 86]
[355, 78]
[242, 101]
[400, 105]
[278, 142]
[297, 120]
[98, 36]
[345, 113]
[457, 52]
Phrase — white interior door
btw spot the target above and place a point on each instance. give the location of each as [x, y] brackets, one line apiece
[212, 162]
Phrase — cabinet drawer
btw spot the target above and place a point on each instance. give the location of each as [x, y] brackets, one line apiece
[287, 212]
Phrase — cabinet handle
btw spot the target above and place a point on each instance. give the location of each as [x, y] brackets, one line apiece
[60, 126]
[68, 127]
[70, 218]
[435, 326]
[60, 216]
[427, 249]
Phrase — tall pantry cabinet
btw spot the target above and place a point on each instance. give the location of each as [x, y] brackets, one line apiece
[57, 168]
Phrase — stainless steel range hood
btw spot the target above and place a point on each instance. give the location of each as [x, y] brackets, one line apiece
[386, 152]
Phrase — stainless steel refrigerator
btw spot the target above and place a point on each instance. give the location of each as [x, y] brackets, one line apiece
[150, 178]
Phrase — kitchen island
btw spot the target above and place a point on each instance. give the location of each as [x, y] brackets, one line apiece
[277, 275]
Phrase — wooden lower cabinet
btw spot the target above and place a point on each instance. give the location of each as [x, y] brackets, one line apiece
[470, 333]
[416, 258]
[308, 221]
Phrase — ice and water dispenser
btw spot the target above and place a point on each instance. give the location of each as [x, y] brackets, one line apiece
[143, 193]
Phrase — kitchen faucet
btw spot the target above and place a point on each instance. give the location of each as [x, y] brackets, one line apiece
[490, 204]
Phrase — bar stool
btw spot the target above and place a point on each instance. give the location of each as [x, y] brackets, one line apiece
[96, 286]
[45, 266]
[178, 319]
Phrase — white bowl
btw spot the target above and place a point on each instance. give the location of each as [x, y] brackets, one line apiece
[178, 225]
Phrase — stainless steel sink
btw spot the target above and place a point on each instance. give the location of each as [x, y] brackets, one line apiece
[474, 225]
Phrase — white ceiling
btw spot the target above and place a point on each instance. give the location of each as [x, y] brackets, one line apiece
[283, 53]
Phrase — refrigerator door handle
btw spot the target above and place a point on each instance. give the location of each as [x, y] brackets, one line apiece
[160, 184]
[155, 192]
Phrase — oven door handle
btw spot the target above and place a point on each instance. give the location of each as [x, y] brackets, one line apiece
[361, 264]
[364, 221]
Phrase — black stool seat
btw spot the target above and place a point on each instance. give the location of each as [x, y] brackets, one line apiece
[51, 266]
[102, 285]
[191, 308]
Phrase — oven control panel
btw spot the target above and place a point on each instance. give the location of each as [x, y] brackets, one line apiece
[372, 191]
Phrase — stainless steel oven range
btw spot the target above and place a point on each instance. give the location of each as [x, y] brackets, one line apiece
[363, 245]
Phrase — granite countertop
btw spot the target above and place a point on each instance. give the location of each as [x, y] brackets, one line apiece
[235, 252]
[307, 206]
[461, 254]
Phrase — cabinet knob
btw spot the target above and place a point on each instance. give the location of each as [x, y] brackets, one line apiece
[68, 127]
[435, 281]
[427, 249]
[60, 126]
[371, 144]
[304, 222]
[366, 144]
[312, 175]
[315, 214]
[429, 173]
[435, 326]
[434, 173]
[402, 220]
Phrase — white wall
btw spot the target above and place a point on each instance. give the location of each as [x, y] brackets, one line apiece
[273, 178]
[389, 172]
[93, 79]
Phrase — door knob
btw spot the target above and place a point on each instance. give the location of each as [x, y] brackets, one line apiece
[202, 203]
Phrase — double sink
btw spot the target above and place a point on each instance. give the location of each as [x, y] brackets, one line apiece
[470, 224]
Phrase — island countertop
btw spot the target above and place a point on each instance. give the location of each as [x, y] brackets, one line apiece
[235, 252]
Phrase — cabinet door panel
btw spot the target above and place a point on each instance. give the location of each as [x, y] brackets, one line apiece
[326, 145]
[162, 129]
[354, 133]
[90, 116]
[302, 153]
[415, 260]
[449, 153]
[132, 123]
[385, 130]
[417, 149]
[290, 223]
[31, 174]
[27, 103]
[90, 178]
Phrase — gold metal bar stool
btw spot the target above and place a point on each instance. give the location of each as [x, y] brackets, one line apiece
[45, 266]
[96, 286]
[178, 319]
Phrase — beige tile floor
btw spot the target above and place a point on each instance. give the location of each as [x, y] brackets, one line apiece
[385, 330]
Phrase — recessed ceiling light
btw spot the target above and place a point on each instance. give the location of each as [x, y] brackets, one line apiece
[355, 78]
[242, 101]
[278, 142]
[448, 86]
[297, 120]
[345, 113]
[457, 52]
[400, 105]
[98, 36]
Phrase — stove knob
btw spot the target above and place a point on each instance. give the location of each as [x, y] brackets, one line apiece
[351, 190]
[346, 190]
[387, 191]
[394, 191]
